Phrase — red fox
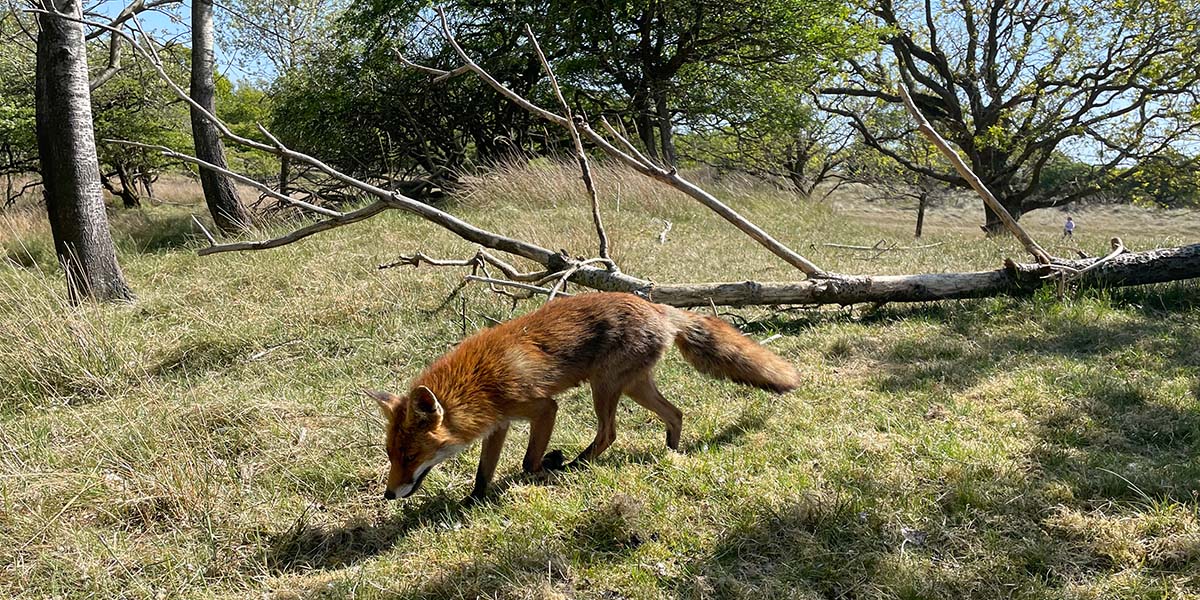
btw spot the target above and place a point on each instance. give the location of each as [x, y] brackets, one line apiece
[514, 370]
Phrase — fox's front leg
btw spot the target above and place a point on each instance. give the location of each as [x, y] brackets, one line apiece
[488, 458]
[541, 424]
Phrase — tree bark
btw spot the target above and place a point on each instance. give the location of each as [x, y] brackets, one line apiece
[665, 129]
[148, 183]
[220, 194]
[70, 168]
[644, 122]
[1015, 279]
[921, 202]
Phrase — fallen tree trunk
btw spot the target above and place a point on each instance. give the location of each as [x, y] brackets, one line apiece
[1017, 279]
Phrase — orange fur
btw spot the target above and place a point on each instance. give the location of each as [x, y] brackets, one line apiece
[514, 370]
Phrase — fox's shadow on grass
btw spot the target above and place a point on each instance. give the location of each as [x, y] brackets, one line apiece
[305, 546]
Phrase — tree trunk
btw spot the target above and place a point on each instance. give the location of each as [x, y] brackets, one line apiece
[644, 122]
[666, 135]
[129, 191]
[924, 200]
[665, 129]
[992, 225]
[148, 183]
[70, 169]
[219, 192]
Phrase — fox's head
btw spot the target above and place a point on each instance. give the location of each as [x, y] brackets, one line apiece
[416, 438]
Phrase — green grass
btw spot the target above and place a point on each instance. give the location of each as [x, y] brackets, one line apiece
[211, 440]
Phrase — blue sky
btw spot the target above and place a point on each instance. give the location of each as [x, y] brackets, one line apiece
[172, 24]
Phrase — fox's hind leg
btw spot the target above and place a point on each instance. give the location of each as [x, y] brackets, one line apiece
[644, 392]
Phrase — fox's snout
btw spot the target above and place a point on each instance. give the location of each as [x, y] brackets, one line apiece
[407, 489]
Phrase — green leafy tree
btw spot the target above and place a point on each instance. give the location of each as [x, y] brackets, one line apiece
[370, 115]
[1015, 83]
[243, 107]
[1158, 181]
[655, 67]
[18, 143]
[275, 38]
[672, 62]
[769, 128]
[136, 105]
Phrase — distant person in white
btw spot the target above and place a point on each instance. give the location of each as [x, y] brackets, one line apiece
[1069, 229]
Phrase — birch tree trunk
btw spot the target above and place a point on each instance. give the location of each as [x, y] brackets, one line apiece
[220, 194]
[70, 168]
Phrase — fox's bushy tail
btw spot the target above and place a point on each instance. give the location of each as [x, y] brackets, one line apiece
[715, 348]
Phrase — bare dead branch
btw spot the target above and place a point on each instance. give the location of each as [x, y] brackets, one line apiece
[204, 231]
[514, 284]
[580, 154]
[963, 170]
[880, 244]
[1118, 248]
[365, 212]
[266, 189]
[415, 260]
[626, 144]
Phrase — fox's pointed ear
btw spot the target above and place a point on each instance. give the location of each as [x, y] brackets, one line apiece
[387, 402]
[426, 403]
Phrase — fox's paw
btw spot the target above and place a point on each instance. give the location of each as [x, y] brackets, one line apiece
[477, 497]
[553, 461]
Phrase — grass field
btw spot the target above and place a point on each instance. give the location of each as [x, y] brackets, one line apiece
[211, 439]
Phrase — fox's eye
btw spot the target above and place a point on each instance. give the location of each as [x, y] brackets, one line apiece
[410, 458]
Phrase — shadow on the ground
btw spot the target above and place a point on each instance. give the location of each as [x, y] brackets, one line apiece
[153, 232]
[305, 546]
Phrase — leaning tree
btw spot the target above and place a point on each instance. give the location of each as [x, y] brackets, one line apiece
[1015, 83]
[555, 269]
[220, 194]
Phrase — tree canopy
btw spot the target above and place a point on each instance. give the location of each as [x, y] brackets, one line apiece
[655, 67]
[1013, 83]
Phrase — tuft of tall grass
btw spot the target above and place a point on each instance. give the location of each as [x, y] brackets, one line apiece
[54, 352]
